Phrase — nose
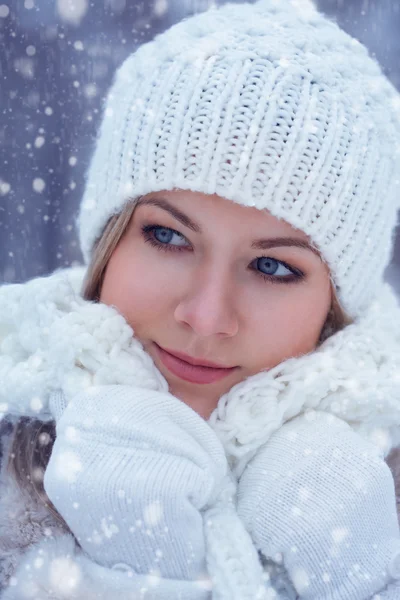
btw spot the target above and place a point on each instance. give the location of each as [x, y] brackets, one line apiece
[208, 306]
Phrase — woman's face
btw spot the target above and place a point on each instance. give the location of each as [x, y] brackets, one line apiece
[202, 276]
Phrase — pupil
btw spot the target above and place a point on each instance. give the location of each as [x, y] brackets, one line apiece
[268, 265]
[163, 235]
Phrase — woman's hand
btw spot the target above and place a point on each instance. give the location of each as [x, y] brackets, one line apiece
[130, 471]
[320, 499]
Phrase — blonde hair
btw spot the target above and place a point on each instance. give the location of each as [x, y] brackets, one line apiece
[32, 439]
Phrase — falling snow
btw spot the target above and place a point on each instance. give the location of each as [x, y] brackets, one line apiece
[58, 64]
[4, 187]
[4, 11]
[72, 11]
[68, 466]
[38, 185]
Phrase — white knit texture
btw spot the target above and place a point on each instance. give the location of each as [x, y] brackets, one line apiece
[321, 499]
[139, 465]
[270, 105]
[153, 483]
[50, 338]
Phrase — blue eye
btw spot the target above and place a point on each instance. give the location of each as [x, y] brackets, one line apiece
[270, 266]
[164, 236]
[275, 270]
[270, 269]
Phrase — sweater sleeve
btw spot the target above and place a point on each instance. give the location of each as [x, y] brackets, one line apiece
[56, 569]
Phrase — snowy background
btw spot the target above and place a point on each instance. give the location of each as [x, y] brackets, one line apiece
[57, 59]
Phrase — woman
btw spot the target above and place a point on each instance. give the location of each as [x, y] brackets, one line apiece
[238, 216]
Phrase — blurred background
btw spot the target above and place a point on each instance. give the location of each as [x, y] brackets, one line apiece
[57, 60]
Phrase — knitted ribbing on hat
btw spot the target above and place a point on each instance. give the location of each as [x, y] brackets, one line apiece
[269, 105]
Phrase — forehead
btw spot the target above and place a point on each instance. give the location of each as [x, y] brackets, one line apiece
[211, 209]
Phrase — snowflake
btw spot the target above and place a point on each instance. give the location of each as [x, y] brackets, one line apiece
[36, 404]
[4, 11]
[153, 513]
[339, 534]
[38, 185]
[39, 141]
[160, 8]
[65, 576]
[4, 187]
[68, 466]
[109, 529]
[300, 579]
[72, 11]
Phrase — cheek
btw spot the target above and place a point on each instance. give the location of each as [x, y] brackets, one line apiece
[288, 324]
[139, 284]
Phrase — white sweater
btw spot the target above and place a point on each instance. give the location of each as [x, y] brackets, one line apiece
[51, 339]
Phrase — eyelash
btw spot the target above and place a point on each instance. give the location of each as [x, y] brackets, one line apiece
[148, 230]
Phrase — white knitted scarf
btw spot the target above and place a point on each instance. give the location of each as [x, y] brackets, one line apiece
[50, 338]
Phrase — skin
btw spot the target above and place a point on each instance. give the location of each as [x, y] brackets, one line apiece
[209, 299]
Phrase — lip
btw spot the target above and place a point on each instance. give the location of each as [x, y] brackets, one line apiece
[192, 369]
[195, 361]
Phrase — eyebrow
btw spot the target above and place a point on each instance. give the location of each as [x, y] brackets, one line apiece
[284, 241]
[175, 212]
[261, 244]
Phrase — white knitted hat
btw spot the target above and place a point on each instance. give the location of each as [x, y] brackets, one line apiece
[269, 105]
